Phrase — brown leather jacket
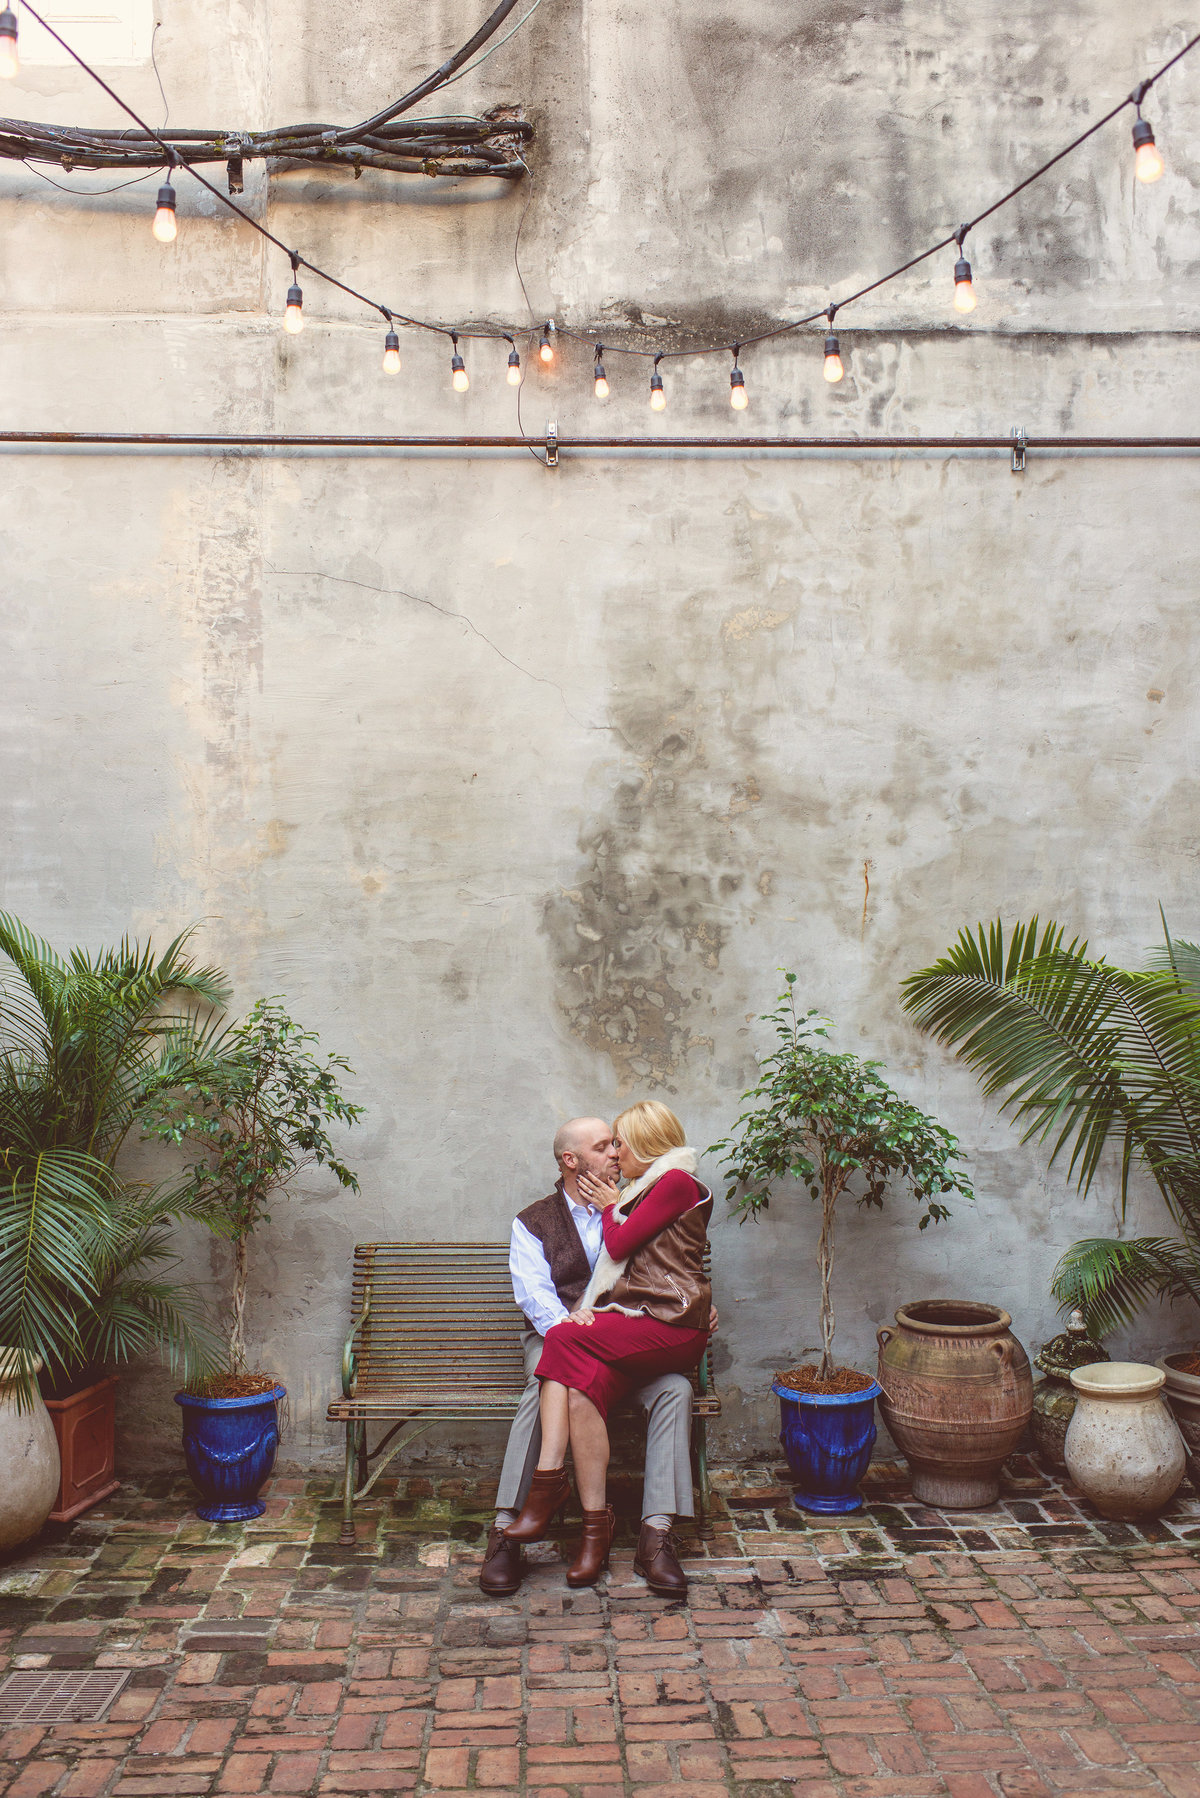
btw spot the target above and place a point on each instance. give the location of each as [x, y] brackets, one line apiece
[665, 1278]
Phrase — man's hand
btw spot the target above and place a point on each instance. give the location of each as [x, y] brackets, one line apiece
[597, 1192]
[581, 1317]
[712, 1320]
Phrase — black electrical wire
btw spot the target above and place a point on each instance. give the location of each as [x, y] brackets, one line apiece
[439, 77]
[481, 146]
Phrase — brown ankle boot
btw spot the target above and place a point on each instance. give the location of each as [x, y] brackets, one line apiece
[500, 1575]
[592, 1558]
[548, 1493]
[657, 1563]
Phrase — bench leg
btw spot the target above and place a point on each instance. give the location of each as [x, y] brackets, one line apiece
[705, 1522]
[364, 1464]
[346, 1539]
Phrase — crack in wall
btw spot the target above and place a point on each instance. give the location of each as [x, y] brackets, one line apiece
[419, 599]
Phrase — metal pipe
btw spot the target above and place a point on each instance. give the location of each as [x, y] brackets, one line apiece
[266, 440]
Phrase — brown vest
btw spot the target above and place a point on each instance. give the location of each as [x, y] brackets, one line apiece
[551, 1222]
[665, 1277]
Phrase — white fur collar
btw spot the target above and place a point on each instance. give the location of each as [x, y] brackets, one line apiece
[607, 1271]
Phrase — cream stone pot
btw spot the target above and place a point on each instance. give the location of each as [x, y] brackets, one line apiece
[29, 1464]
[1123, 1450]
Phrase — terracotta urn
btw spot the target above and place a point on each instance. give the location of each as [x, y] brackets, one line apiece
[957, 1395]
[1054, 1397]
[1182, 1393]
[1123, 1449]
[28, 1456]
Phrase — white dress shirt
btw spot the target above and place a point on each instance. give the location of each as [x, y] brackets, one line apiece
[533, 1289]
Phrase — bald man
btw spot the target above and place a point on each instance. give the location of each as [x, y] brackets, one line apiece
[554, 1247]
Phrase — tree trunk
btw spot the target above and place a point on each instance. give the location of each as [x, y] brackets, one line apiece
[829, 1201]
[237, 1334]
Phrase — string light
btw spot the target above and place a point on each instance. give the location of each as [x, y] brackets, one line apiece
[10, 62]
[658, 398]
[739, 399]
[514, 365]
[599, 377]
[164, 227]
[293, 314]
[833, 357]
[964, 293]
[1147, 157]
[391, 349]
[34, 142]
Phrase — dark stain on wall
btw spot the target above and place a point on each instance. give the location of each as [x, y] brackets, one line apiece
[637, 941]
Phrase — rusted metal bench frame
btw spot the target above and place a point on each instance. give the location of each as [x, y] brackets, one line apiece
[399, 1366]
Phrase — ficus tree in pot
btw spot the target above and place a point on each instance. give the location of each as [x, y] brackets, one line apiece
[259, 1113]
[831, 1122]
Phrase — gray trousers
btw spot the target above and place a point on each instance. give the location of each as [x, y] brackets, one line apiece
[667, 1401]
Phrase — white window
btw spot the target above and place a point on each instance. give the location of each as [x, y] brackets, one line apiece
[103, 31]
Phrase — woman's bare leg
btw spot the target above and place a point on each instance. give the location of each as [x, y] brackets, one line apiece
[555, 1426]
[589, 1449]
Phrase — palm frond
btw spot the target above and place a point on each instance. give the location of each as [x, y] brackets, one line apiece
[39, 965]
[1085, 1054]
[1110, 1279]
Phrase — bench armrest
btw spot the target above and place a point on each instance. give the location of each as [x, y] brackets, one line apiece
[349, 1358]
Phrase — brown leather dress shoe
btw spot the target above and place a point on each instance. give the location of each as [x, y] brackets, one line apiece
[548, 1493]
[655, 1561]
[502, 1569]
[592, 1558]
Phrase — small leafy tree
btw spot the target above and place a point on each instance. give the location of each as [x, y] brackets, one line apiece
[259, 1113]
[829, 1120]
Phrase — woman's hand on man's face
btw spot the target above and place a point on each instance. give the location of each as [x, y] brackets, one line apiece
[597, 1192]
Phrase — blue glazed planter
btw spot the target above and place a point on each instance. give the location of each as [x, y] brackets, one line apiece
[827, 1438]
[230, 1445]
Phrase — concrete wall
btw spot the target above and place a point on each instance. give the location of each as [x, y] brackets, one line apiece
[521, 785]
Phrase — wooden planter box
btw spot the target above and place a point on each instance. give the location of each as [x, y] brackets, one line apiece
[84, 1425]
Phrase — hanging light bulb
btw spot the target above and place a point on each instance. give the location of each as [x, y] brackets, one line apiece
[1147, 157]
[658, 399]
[293, 315]
[164, 227]
[391, 352]
[739, 399]
[599, 376]
[460, 380]
[10, 62]
[833, 357]
[545, 347]
[514, 365]
[964, 293]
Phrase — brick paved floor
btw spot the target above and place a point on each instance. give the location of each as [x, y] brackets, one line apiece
[1022, 1652]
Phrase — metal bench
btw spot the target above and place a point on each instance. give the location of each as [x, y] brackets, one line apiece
[436, 1338]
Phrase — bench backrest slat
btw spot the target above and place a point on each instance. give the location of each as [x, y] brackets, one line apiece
[437, 1311]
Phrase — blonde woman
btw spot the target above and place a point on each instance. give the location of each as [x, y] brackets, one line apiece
[645, 1312]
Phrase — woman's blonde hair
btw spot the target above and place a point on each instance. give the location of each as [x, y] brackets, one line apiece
[650, 1129]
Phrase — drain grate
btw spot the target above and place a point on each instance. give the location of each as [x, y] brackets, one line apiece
[41, 1697]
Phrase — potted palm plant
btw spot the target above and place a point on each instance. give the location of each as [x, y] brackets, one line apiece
[1091, 1056]
[258, 1112]
[830, 1123]
[86, 1042]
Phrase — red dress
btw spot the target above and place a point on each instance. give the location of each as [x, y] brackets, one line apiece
[608, 1357]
